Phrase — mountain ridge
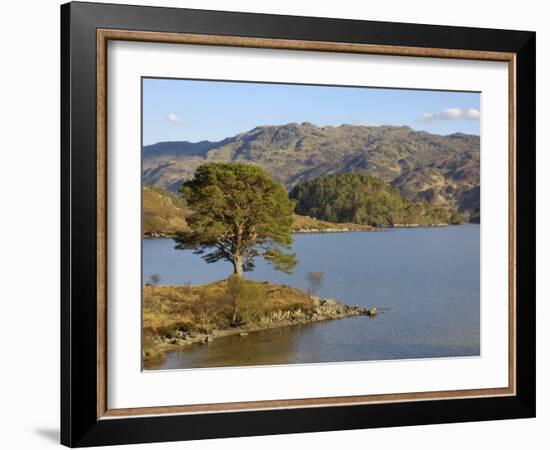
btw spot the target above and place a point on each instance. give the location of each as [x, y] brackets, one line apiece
[443, 169]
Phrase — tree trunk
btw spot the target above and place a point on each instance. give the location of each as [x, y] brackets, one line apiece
[238, 265]
[237, 270]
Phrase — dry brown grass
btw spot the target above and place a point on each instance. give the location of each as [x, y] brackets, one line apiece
[211, 306]
[161, 215]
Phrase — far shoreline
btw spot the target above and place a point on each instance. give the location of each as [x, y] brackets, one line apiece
[367, 229]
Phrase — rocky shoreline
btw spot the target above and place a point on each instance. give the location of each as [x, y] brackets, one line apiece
[155, 235]
[332, 230]
[159, 235]
[323, 309]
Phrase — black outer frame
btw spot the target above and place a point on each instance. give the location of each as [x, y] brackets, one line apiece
[79, 423]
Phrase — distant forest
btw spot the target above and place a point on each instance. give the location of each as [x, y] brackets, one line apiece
[366, 200]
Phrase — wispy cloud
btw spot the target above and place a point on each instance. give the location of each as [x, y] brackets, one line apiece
[449, 114]
[173, 118]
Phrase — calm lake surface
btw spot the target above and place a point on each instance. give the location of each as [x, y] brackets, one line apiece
[426, 279]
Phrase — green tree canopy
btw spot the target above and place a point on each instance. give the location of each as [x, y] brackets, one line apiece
[357, 198]
[240, 213]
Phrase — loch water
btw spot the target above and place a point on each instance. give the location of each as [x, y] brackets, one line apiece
[425, 282]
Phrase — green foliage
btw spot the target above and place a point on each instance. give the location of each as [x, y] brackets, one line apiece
[240, 213]
[457, 219]
[248, 299]
[362, 199]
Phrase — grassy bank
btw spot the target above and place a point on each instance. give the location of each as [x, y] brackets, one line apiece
[176, 316]
[163, 213]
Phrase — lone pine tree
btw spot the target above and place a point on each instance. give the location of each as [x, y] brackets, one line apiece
[240, 213]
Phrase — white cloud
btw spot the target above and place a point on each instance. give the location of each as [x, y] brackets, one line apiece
[173, 118]
[472, 114]
[449, 114]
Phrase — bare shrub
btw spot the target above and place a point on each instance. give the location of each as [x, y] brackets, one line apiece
[316, 280]
[154, 279]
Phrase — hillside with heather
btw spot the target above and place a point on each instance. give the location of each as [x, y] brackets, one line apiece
[444, 170]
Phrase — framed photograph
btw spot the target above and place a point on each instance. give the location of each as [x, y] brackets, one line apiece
[276, 224]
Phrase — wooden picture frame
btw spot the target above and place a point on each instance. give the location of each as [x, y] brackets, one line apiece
[86, 418]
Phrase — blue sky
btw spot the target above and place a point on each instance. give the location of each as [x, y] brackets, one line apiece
[189, 110]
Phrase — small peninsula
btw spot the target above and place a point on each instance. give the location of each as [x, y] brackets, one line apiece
[176, 317]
